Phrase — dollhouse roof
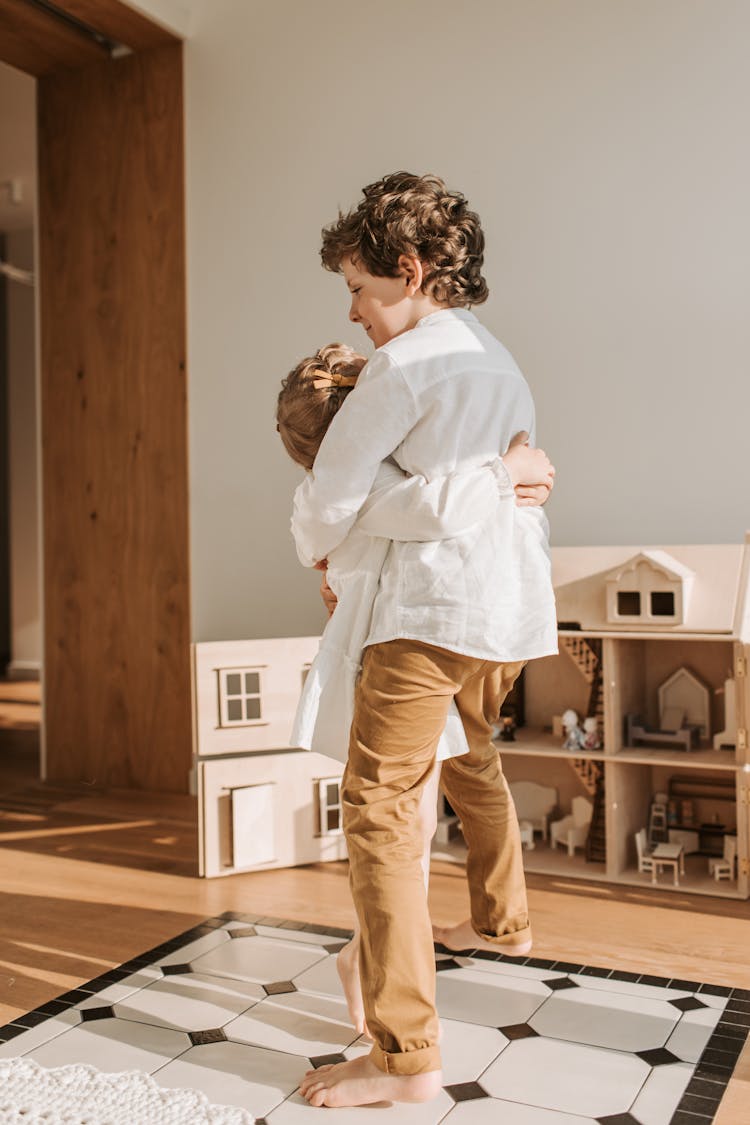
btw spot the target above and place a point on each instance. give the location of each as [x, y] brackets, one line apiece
[719, 600]
[658, 560]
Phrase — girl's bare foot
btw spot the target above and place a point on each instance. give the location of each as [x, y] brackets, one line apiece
[464, 936]
[359, 1082]
[347, 963]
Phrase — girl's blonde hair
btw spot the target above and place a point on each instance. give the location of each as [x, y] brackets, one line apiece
[310, 397]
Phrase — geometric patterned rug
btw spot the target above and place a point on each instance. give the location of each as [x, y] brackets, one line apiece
[241, 1005]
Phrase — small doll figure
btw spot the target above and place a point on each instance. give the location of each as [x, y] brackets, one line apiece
[573, 733]
[507, 729]
[591, 739]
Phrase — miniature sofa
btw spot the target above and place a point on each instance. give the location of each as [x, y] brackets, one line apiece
[534, 804]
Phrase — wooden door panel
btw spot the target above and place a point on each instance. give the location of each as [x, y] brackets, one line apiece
[114, 441]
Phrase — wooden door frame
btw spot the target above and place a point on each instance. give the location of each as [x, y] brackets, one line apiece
[56, 51]
[36, 42]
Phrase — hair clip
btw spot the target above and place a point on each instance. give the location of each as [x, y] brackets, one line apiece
[334, 380]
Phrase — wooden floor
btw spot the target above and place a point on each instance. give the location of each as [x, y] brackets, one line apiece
[90, 879]
[20, 705]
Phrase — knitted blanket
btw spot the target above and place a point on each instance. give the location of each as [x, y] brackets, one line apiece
[82, 1095]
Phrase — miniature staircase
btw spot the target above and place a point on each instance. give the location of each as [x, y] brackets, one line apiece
[588, 773]
[587, 656]
[596, 841]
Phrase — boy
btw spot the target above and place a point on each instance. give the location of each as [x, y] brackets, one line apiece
[453, 619]
[398, 506]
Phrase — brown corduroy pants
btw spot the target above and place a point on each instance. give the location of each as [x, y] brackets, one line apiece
[401, 706]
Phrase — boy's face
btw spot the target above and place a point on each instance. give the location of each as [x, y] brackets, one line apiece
[384, 306]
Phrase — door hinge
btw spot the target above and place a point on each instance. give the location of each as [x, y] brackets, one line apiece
[740, 668]
[744, 795]
[745, 867]
[741, 738]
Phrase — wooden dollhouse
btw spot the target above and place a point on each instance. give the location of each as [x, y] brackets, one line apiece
[262, 803]
[654, 645]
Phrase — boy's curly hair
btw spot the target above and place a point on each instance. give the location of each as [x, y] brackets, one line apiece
[417, 216]
[310, 397]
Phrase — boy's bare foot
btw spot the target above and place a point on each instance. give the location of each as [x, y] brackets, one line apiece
[359, 1082]
[347, 963]
[464, 936]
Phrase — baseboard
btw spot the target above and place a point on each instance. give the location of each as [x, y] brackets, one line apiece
[24, 670]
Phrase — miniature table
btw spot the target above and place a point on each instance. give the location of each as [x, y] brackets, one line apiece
[664, 854]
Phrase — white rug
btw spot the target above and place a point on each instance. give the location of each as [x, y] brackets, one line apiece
[82, 1095]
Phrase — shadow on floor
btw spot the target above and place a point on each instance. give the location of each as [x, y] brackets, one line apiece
[124, 828]
[46, 948]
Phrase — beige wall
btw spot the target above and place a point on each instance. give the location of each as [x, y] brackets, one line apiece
[18, 162]
[26, 633]
[602, 143]
[17, 147]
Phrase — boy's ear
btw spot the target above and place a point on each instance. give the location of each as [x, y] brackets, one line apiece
[412, 272]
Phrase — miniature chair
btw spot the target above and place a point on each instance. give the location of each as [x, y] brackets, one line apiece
[658, 832]
[645, 862]
[573, 829]
[724, 868]
[534, 803]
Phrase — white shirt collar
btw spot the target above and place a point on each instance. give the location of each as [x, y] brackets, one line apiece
[445, 314]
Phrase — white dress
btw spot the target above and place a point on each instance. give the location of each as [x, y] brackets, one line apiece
[410, 508]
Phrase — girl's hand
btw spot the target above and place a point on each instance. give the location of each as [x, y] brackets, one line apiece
[330, 600]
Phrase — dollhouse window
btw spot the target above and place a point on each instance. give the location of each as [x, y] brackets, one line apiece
[240, 697]
[628, 603]
[662, 603]
[651, 588]
[329, 805]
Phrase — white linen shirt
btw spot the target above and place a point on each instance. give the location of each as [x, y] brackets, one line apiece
[441, 509]
[440, 398]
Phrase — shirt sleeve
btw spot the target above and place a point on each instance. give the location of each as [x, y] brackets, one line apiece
[413, 509]
[371, 424]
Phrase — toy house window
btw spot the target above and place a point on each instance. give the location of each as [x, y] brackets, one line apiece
[662, 603]
[240, 696]
[628, 603]
[329, 804]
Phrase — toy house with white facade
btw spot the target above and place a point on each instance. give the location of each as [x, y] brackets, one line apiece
[262, 802]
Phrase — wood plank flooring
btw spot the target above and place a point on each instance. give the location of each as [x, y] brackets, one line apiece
[20, 705]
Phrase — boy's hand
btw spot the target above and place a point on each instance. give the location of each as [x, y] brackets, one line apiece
[529, 467]
[532, 495]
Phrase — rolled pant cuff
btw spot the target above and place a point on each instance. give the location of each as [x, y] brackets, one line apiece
[517, 937]
[420, 1061]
